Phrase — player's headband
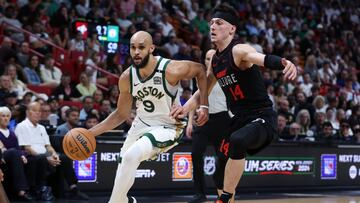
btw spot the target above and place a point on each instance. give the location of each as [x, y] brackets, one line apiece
[226, 16]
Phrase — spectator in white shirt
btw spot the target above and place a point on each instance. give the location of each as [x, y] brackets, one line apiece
[50, 74]
[35, 140]
[167, 27]
[77, 44]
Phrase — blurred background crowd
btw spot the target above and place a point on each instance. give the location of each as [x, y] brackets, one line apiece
[45, 58]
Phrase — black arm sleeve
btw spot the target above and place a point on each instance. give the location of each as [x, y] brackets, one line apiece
[273, 62]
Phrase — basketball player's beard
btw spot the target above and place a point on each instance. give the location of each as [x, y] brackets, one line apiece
[143, 63]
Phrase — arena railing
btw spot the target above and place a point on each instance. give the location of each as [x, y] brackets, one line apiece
[61, 56]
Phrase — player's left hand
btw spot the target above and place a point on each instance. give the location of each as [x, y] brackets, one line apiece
[202, 116]
[290, 70]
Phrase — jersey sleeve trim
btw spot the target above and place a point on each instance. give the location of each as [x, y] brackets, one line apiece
[131, 79]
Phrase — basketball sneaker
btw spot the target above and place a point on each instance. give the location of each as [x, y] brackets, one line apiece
[132, 199]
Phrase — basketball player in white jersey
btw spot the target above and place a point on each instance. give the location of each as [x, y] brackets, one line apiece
[153, 82]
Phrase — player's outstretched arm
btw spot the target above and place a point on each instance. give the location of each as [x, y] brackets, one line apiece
[123, 109]
[187, 70]
[246, 54]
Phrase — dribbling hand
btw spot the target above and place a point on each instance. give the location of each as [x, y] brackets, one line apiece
[290, 70]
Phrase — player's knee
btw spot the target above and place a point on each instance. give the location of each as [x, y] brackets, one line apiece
[237, 141]
[237, 147]
[129, 157]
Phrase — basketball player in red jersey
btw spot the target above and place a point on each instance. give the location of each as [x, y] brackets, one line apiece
[235, 68]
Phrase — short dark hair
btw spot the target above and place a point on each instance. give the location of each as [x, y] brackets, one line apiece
[91, 116]
[72, 109]
[327, 124]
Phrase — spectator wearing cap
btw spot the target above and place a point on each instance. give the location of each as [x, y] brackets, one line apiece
[35, 140]
[66, 89]
[50, 74]
[327, 133]
[14, 158]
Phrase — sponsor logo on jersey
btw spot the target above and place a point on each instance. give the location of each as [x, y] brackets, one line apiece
[157, 80]
[86, 170]
[182, 167]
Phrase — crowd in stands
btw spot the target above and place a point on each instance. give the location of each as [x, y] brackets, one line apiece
[319, 37]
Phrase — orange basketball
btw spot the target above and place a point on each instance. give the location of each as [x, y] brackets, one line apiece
[79, 144]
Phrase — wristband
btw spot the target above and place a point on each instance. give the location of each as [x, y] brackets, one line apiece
[204, 106]
[273, 62]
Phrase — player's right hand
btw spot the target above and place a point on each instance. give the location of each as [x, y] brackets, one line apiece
[202, 116]
[178, 112]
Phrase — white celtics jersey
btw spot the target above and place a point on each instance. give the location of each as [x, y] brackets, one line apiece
[154, 95]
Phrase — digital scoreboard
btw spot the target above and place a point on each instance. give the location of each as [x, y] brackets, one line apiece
[107, 34]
